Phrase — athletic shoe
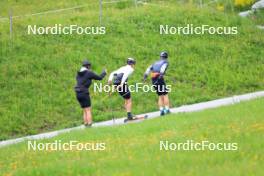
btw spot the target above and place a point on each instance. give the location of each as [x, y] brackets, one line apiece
[167, 111]
[88, 125]
[162, 113]
[130, 119]
[130, 116]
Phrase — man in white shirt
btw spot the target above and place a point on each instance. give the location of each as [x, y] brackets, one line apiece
[119, 78]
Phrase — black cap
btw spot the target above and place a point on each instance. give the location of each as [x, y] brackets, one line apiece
[86, 63]
[131, 61]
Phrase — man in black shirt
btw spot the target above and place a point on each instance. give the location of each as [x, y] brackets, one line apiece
[84, 80]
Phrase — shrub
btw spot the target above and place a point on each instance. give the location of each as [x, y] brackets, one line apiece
[243, 3]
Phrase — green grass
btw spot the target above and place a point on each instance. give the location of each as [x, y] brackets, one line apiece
[24, 7]
[133, 149]
[38, 72]
[258, 17]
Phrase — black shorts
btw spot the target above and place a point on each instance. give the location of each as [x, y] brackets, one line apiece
[160, 86]
[83, 99]
[124, 91]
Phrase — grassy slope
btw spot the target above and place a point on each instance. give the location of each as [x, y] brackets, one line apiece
[134, 149]
[258, 17]
[37, 75]
[23, 7]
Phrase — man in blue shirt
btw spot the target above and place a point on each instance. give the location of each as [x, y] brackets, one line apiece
[157, 71]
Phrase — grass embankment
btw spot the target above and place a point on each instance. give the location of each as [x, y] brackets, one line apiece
[134, 149]
[258, 17]
[19, 8]
[38, 71]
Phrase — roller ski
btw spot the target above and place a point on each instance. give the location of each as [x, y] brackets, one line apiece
[136, 118]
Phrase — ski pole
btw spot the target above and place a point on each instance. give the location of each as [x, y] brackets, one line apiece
[111, 109]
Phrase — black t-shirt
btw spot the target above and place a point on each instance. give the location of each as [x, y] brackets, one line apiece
[84, 80]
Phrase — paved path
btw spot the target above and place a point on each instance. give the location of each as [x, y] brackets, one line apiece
[120, 121]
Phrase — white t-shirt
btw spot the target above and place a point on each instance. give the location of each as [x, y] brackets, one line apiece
[126, 70]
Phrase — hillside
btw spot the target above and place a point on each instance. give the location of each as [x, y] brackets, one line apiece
[38, 71]
[135, 149]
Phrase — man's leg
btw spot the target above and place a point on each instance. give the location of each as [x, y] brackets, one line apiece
[158, 84]
[166, 103]
[128, 106]
[125, 93]
[88, 116]
[161, 104]
[84, 116]
[165, 97]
